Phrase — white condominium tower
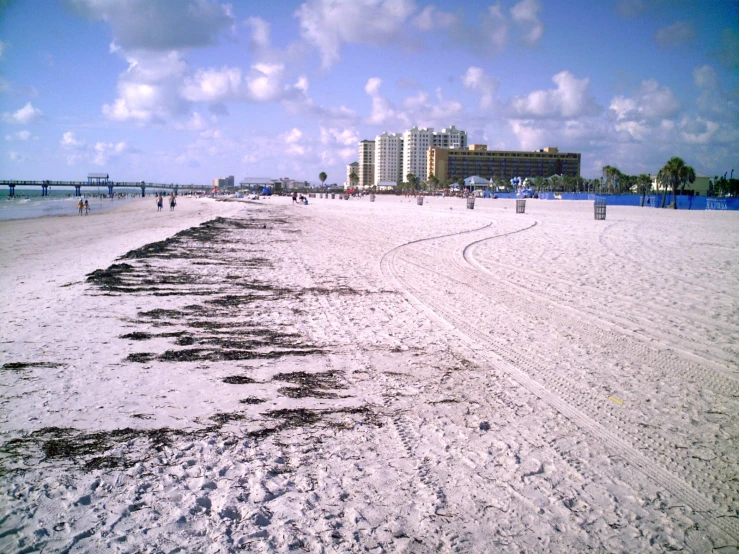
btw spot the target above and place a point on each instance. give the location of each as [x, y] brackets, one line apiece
[389, 157]
[366, 164]
[416, 143]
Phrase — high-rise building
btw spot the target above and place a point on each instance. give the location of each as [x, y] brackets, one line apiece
[366, 164]
[389, 157]
[224, 182]
[416, 143]
[477, 160]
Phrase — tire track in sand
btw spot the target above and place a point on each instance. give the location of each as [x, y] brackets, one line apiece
[704, 508]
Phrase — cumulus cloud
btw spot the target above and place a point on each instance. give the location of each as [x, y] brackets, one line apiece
[343, 140]
[264, 81]
[330, 24]
[213, 85]
[431, 19]
[650, 102]
[570, 99]
[149, 90]
[697, 130]
[526, 15]
[294, 143]
[675, 34]
[495, 25]
[159, 25]
[476, 80]
[20, 136]
[260, 30]
[383, 111]
[105, 152]
[23, 116]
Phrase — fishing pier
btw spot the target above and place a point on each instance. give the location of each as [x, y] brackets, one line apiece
[95, 180]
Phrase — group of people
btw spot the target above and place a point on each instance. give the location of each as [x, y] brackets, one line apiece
[302, 199]
[83, 206]
[172, 202]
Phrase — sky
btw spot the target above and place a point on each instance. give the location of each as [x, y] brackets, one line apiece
[185, 91]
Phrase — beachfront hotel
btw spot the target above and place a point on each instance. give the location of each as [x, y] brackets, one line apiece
[389, 157]
[448, 163]
[366, 162]
[416, 143]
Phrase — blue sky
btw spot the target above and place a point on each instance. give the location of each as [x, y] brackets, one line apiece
[188, 90]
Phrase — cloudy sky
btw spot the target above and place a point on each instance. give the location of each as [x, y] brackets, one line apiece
[187, 90]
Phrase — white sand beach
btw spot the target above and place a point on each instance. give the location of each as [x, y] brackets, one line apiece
[356, 376]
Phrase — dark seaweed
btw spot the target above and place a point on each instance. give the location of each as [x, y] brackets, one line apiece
[16, 366]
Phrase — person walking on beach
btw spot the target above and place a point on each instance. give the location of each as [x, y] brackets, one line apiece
[172, 202]
[160, 203]
[295, 197]
[87, 206]
[80, 206]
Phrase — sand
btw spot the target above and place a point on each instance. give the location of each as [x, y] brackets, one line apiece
[356, 376]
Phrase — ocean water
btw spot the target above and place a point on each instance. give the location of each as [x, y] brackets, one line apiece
[28, 203]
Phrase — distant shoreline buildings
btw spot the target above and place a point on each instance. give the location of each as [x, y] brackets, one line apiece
[446, 155]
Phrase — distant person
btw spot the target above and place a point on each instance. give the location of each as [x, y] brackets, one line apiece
[87, 206]
[295, 197]
[160, 203]
[172, 203]
[80, 206]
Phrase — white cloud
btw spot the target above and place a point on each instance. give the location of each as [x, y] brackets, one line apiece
[213, 85]
[149, 89]
[475, 79]
[383, 111]
[697, 130]
[264, 81]
[69, 141]
[260, 30]
[705, 77]
[495, 28]
[15, 156]
[330, 24]
[196, 123]
[294, 143]
[431, 19]
[526, 15]
[675, 34]
[25, 115]
[570, 99]
[20, 136]
[650, 102]
[105, 152]
[160, 25]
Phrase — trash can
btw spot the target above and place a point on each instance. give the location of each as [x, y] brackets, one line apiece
[520, 206]
[372, 197]
[419, 200]
[600, 209]
[471, 203]
[333, 195]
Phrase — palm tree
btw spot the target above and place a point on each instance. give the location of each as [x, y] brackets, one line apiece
[353, 178]
[322, 176]
[411, 179]
[675, 174]
[644, 182]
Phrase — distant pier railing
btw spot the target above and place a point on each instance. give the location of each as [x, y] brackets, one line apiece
[111, 185]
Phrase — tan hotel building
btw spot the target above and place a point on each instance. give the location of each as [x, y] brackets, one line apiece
[478, 160]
